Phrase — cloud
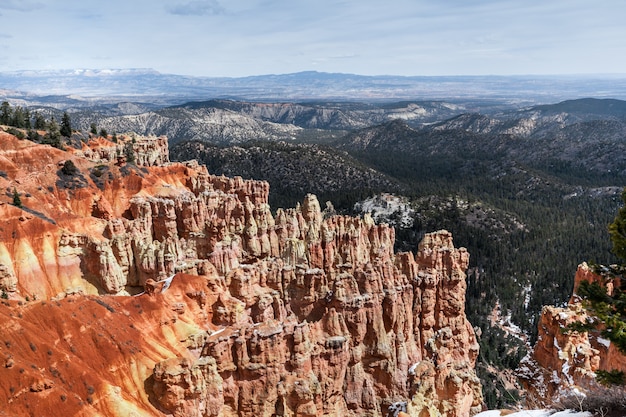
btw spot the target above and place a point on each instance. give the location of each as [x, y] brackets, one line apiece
[20, 5]
[197, 8]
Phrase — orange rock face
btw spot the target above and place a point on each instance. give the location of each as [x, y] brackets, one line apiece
[563, 361]
[244, 313]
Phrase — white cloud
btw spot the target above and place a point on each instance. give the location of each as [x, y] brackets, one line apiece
[248, 37]
[20, 5]
[197, 8]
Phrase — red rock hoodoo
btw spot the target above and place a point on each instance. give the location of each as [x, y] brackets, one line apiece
[244, 313]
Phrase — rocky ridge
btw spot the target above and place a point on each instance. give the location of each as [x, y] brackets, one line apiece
[227, 122]
[564, 361]
[317, 313]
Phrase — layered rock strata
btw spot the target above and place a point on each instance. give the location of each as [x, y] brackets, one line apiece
[288, 314]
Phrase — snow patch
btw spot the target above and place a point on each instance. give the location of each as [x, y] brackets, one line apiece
[506, 323]
[563, 315]
[535, 413]
[167, 282]
[387, 208]
[218, 331]
[527, 290]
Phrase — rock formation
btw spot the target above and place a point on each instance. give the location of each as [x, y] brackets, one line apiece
[243, 313]
[352, 330]
[564, 361]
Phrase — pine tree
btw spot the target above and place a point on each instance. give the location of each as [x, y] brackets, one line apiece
[17, 202]
[19, 118]
[66, 125]
[5, 113]
[129, 153]
[94, 129]
[27, 123]
[53, 137]
[40, 121]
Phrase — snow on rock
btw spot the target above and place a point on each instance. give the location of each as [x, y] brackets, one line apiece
[566, 357]
[534, 413]
[387, 208]
[604, 342]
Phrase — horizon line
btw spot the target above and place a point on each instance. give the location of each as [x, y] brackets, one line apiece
[103, 71]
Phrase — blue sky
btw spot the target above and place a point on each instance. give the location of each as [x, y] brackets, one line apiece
[251, 37]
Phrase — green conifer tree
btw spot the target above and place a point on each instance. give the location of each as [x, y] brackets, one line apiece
[129, 153]
[40, 122]
[19, 118]
[17, 201]
[27, 123]
[53, 137]
[5, 113]
[66, 125]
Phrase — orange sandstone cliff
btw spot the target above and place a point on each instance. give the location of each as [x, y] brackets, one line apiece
[563, 362]
[158, 289]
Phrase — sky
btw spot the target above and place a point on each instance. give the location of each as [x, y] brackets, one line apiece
[235, 38]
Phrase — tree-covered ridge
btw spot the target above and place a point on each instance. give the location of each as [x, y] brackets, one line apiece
[34, 126]
[19, 118]
[293, 170]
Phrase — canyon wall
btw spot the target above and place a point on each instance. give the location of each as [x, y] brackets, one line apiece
[238, 312]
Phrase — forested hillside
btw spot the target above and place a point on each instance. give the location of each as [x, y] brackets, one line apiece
[527, 213]
[293, 170]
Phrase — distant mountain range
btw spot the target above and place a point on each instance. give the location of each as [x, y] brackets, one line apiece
[152, 86]
[229, 122]
[566, 145]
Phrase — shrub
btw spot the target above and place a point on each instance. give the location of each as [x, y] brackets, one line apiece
[608, 378]
[69, 168]
[600, 401]
[34, 136]
[16, 132]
